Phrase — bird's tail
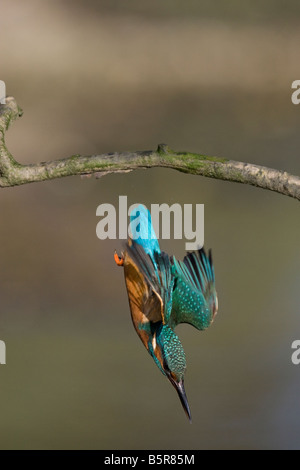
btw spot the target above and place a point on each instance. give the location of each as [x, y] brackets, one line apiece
[142, 231]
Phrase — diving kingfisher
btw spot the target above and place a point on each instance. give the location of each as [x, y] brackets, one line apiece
[164, 292]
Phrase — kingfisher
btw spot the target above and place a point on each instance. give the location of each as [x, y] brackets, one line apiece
[163, 292]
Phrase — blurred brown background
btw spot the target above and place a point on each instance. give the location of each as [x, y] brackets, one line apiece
[97, 76]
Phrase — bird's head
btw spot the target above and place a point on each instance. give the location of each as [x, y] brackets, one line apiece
[168, 354]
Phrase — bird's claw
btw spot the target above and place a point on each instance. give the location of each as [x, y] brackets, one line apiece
[119, 259]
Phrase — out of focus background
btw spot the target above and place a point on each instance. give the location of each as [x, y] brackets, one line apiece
[100, 76]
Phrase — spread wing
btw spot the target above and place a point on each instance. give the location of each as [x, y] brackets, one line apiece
[194, 297]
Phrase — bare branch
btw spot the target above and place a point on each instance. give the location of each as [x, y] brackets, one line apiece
[13, 174]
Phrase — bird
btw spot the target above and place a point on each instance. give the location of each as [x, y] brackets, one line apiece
[164, 292]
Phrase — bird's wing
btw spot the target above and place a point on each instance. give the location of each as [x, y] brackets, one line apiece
[195, 297]
[145, 305]
[155, 273]
[202, 271]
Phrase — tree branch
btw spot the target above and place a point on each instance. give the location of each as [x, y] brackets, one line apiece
[12, 173]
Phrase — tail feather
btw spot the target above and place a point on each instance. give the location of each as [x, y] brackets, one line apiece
[142, 231]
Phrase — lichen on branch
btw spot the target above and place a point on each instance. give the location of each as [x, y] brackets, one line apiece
[13, 173]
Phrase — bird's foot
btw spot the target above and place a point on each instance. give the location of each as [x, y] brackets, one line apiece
[119, 259]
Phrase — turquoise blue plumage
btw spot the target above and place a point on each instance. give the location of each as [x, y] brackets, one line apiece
[164, 292]
[142, 230]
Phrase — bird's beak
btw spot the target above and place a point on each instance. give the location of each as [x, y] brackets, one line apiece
[179, 386]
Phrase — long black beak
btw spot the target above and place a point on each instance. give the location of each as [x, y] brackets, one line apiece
[179, 386]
